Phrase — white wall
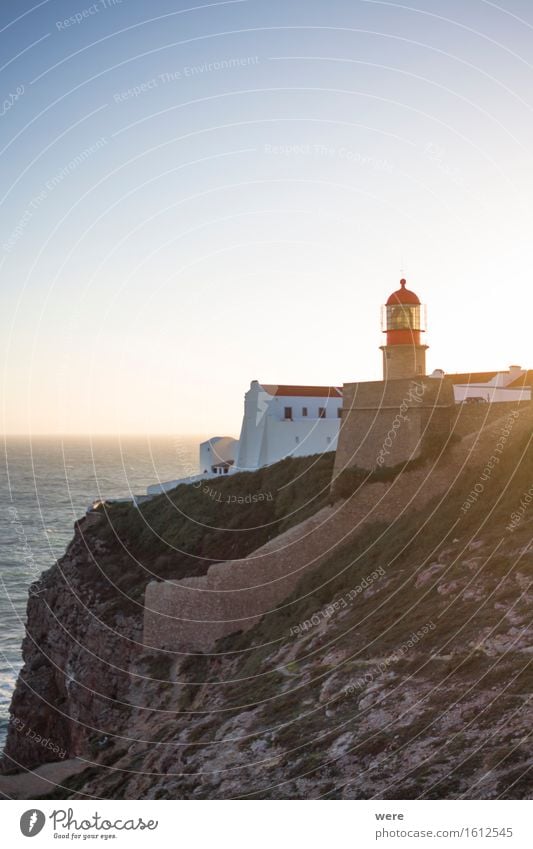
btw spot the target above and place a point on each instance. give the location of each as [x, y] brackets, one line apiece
[255, 410]
[297, 439]
[267, 437]
[489, 393]
[495, 391]
[218, 449]
[277, 406]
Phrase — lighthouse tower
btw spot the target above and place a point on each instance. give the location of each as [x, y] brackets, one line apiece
[403, 320]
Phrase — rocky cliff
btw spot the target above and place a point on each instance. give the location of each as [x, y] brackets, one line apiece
[399, 668]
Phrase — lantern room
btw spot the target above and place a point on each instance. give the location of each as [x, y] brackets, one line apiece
[403, 317]
[403, 320]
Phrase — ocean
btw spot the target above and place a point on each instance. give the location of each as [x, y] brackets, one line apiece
[46, 483]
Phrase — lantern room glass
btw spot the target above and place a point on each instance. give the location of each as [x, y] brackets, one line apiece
[404, 317]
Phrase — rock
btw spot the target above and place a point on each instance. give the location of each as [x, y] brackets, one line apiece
[426, 575]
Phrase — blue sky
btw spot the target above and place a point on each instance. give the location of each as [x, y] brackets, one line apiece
[195, 196]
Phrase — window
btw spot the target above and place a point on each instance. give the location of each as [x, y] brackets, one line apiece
[288, 414]
[297, 440]
[404, 317]
[328, 439]
[321, 412]
[339, 412]
[304, 412]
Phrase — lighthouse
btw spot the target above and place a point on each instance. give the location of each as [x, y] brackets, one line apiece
[403, 322]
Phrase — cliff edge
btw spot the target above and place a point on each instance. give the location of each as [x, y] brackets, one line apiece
[400, 667]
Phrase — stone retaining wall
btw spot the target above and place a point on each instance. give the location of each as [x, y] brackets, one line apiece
[387, 423]
[192, 614]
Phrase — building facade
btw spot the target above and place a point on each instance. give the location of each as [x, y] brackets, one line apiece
[359, 419]
[287, 421]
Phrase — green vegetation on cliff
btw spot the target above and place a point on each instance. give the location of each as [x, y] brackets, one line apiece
[419, 686]
[229, 516]
[399, 668]
[184, 531]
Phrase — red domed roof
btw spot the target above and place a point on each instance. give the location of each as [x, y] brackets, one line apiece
[403, 295]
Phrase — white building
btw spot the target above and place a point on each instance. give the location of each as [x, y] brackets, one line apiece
[296, 421]
[287, 421]
[278, 422]
[492, 386]
[217, 455]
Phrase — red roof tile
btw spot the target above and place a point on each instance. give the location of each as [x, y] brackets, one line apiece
[472, 377]
[525, 379]
[303, 391]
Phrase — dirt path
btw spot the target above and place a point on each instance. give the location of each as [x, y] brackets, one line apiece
[39, 782]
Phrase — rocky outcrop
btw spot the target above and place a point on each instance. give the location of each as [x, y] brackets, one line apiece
[399, 668]
[195, 612]
[77, 653]
[86, 680]
[430, 702]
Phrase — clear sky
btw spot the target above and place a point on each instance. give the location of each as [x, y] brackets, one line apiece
[196, 195]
